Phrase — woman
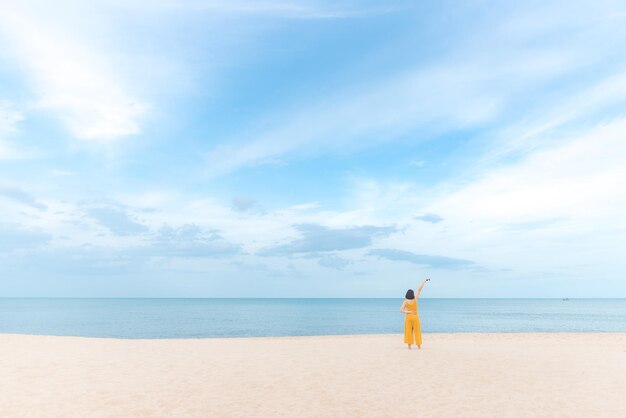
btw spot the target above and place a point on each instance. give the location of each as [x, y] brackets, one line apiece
[412, 330]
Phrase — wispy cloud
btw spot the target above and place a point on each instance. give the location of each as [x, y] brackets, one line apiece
[318, 238]
[434, 261]
[9, 119]
[429, 217]
[508, 212]
[384, 111]
[334, 262]
[245, 204]
[72, 79]
[189, 241]
[116, 219]
[534, 225]
[555, 121]
[580, 177]
[19, 195]
[303, 9]
[463, 89]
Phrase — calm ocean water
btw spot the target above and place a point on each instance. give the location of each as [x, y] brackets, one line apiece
[193, 318]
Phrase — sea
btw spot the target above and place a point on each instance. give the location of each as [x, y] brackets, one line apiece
[219, 318]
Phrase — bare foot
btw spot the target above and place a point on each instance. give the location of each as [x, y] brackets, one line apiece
[409, 346]
[419, 347]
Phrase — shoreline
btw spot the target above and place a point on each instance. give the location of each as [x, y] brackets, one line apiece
[455, 374]
[269, 337]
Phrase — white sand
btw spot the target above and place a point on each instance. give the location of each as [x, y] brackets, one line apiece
[454, 375]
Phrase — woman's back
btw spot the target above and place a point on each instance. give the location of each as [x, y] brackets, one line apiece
[411, 305]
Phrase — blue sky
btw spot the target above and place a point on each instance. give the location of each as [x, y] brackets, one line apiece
[312, 148]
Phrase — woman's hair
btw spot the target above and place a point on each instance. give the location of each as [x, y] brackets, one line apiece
[409, 294]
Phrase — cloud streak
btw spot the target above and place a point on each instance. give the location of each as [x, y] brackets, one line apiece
[317, 238]
[430, 218]
[20, 196]
[434, 261]
[278, 9]
[116, 220]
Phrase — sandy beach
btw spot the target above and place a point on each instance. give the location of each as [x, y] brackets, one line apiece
[454, 375]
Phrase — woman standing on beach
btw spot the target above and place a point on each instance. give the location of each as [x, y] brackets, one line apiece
[412, 330]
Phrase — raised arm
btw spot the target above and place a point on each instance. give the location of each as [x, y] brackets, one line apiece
[419, 289]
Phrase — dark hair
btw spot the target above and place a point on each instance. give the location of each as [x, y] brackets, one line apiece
[409, 294]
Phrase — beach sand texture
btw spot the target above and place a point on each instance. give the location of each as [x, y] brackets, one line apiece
[454, 375]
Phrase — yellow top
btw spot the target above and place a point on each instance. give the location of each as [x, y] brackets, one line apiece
[411, 305]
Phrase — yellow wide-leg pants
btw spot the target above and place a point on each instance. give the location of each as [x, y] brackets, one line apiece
[412, 330]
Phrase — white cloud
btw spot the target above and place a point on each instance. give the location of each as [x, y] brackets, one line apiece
[602, 99]
[559, 209]
[583, 177]
[9, 118]
[302, 9]
[72, 79]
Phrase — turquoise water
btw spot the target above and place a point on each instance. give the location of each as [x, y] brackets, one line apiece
[193, 318]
